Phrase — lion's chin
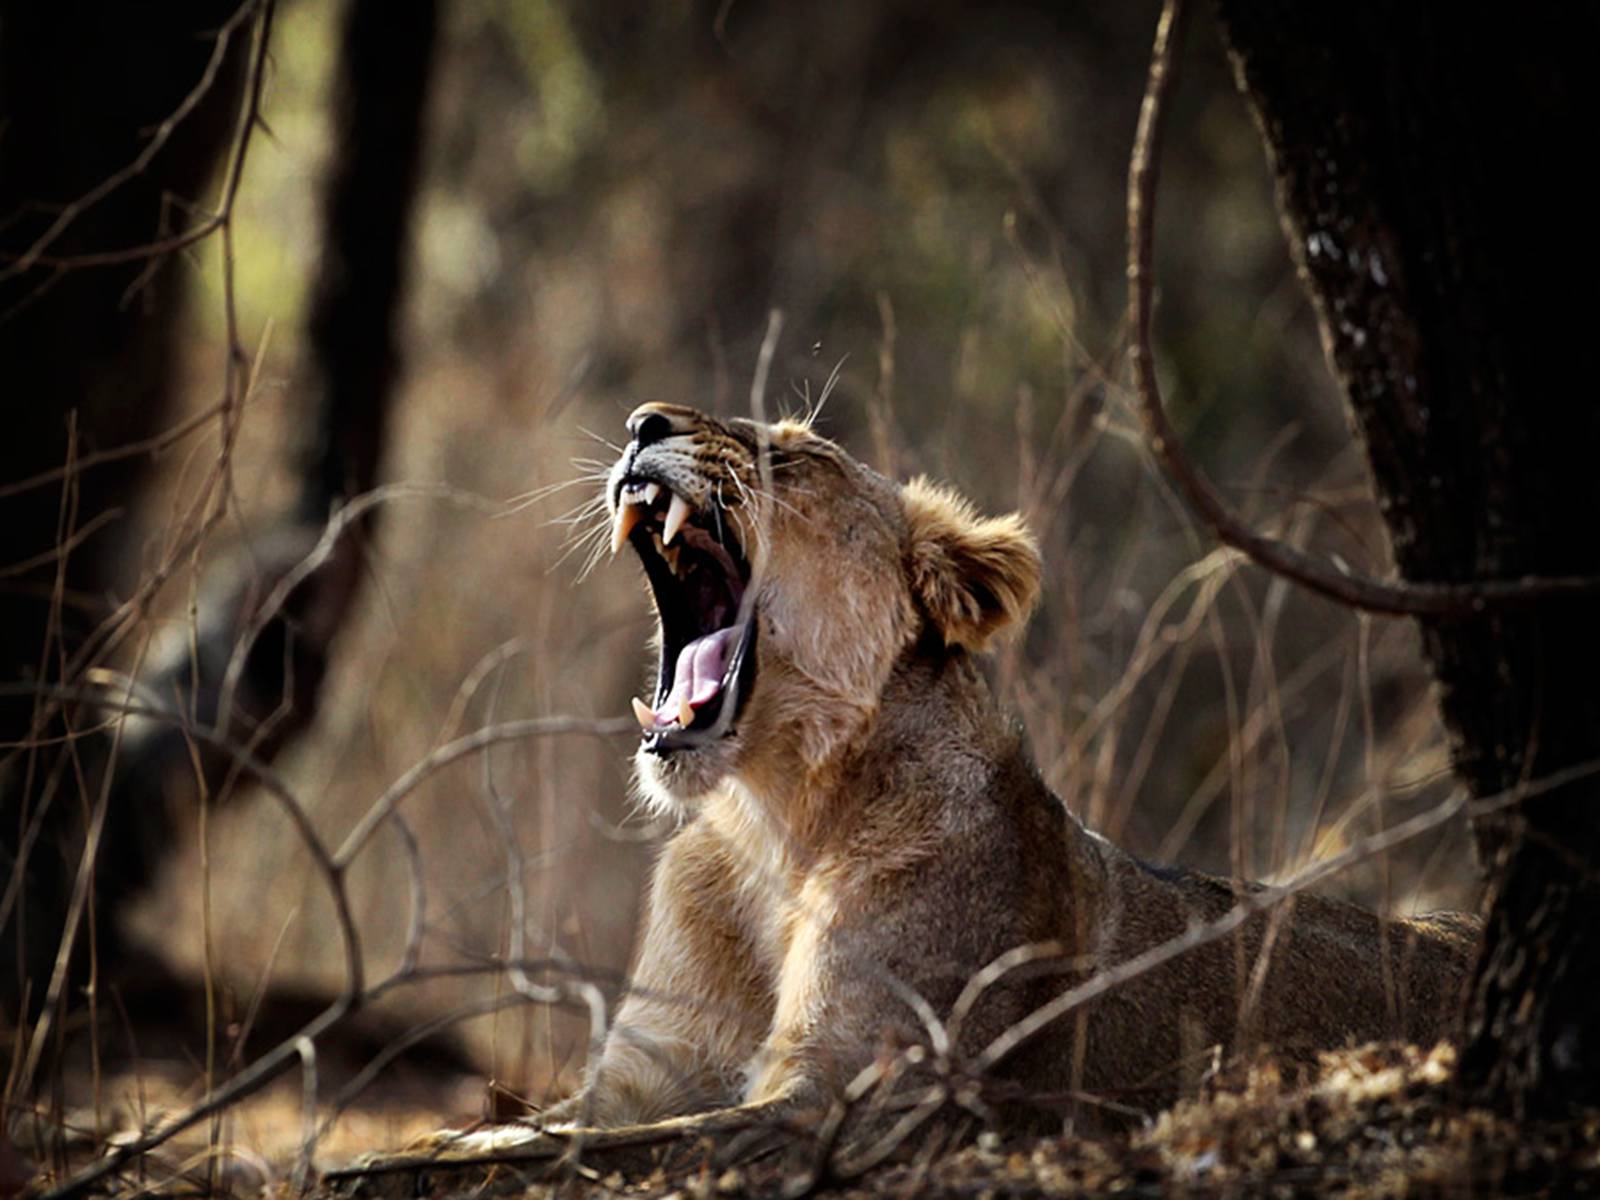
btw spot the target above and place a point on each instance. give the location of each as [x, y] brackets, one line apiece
[676, 785]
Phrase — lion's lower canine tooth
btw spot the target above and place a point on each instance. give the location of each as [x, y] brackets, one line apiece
[685, 713]
[677, 514]
[627, 517]
[643, 713]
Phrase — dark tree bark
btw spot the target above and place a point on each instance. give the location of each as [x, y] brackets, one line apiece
[1429, 160]
[352, 360]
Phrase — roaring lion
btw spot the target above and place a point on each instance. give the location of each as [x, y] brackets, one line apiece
[866, 859]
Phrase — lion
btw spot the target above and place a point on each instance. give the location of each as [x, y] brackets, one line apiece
[867, 868]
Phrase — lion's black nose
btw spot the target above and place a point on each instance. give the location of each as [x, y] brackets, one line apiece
[651, 427]
[652, 422]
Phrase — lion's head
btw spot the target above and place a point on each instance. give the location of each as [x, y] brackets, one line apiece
[789, 579]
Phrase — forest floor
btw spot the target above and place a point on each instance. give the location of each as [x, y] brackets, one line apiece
[1376, 1122]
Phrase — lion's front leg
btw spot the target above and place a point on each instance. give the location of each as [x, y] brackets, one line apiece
[698, 1002]
[862, 1029]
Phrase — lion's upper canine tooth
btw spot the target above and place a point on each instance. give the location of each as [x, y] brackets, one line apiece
[627, 517]
[677, 514]
[651, 491]
[643, 713]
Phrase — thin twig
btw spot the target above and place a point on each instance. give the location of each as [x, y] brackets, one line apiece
[341, 522]
[306, 1049]
[364, 1078]
[521, 983]
[254, 1077]
[460, 748]
[66, 546]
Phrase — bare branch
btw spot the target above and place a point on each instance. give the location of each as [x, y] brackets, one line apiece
[1389, 596]
[462, 747]
[274, 784]
[149, 445]
[342, 521]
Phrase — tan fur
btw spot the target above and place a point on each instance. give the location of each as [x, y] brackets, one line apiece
[873, 830]
[973, 576]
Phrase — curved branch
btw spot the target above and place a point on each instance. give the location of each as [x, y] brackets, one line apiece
[462, 747]
[1393, 597]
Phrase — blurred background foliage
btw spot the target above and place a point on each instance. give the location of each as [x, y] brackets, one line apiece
[932, 193]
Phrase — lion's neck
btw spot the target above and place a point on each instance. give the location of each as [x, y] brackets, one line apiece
[936, 721]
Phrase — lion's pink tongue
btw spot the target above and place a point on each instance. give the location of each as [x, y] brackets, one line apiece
[698, 677]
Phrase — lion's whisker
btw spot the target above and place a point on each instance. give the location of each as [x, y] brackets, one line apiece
[827, 390]
[594, 507]
[606, 442]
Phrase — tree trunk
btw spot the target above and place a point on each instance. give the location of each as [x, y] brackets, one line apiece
[352, 357]
[1427, 158]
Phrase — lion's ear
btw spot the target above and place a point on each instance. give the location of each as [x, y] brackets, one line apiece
[973, 576]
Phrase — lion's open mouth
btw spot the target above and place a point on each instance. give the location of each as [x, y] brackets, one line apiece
[699, 575]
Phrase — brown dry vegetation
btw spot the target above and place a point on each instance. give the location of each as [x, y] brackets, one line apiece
[1373, 1122]
[946, 252]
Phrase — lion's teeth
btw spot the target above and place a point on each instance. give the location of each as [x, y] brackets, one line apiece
[677, 514]
[627, 517]
[685, 712]
[671, 553]
[651, 491]
[643, 713]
